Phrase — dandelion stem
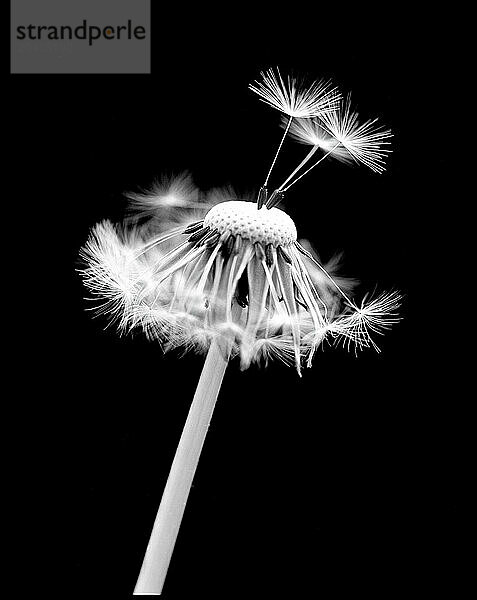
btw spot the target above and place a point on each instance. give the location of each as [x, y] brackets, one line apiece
[278, 151]
[171, 509]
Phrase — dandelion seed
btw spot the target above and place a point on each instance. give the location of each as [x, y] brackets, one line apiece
[373, 316]
[169, 192]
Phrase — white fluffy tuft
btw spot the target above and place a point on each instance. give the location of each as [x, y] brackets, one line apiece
[365, 142]
[294, 98]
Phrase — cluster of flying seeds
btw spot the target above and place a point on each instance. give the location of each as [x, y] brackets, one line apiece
[188, 268]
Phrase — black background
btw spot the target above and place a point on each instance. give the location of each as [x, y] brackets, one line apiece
[349, 480]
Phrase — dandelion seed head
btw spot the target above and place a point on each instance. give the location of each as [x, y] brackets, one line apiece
[189, 268]
[242, 218]
[182, 296]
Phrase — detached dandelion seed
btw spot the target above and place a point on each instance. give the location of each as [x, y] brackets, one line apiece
[209, 272]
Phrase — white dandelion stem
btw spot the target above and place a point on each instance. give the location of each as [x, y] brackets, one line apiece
[281, 188]
[278, 151]
[169, 516]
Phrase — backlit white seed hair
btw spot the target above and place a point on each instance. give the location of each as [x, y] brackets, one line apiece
[313, 133]
[293, 97]
[366, 142]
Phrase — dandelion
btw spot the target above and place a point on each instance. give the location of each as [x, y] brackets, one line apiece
[215, 273]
